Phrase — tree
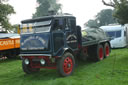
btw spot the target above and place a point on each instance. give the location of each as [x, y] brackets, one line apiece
[45, 6]
[120, 9]
[91, 23]
[5, 10]
[104, 17]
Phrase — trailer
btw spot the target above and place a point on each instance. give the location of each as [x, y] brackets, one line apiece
[9, 45]
[55, 42]
[118, 34]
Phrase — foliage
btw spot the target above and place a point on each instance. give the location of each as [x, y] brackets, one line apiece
[91, 23]
[104, 17]
[45, 6]
[16, 28]
[120, 9]
[111, 71]
[1, 1]
[5, 10]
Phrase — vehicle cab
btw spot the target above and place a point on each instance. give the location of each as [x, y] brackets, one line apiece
[48, 35]
[44, 40]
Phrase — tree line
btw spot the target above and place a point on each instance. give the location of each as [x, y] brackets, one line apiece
[104, 17]
[119, 14]
[5, 11]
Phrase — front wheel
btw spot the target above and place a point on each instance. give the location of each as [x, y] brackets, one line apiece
[28, 69]
[66, 64]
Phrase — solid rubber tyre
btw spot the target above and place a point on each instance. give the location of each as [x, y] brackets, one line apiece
[100, 53]
[106, 50]
[96, 52]
[66, 64]
[27, 68]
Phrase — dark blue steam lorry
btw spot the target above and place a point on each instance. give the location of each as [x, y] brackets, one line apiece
[55, 42]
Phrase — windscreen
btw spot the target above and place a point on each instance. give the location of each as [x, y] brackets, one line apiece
[114, 34]
[36, 27]
[111, 34]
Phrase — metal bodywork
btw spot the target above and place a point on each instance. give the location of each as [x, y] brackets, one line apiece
[51, 44]
[61, 36]
[9, 44]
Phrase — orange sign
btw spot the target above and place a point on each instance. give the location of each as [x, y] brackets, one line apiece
[6, 44]
[17, 43]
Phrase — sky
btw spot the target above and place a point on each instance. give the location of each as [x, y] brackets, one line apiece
[83, 10]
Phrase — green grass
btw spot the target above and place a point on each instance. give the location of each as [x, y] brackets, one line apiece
[111, 71]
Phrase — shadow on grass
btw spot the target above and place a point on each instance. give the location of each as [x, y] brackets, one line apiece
[49, 74]
[43, 75]
[16, 76]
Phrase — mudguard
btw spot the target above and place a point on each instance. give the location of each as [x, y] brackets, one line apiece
[62, 51]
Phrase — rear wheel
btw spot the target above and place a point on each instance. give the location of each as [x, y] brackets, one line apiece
[98, 53]
[106, 50]
[66, 64]
[28, 69]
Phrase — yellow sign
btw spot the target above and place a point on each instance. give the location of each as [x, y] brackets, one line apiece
[24, 28]
[30, 28]
[18, 30]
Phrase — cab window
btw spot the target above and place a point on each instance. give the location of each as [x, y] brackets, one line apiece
[72, 24]
[59, 24]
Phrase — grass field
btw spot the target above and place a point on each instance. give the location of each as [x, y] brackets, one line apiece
[111, 71]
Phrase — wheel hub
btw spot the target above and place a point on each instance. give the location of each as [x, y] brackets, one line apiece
[101, 54]
[68, 65]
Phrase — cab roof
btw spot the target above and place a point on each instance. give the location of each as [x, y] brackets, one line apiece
[46, 18]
